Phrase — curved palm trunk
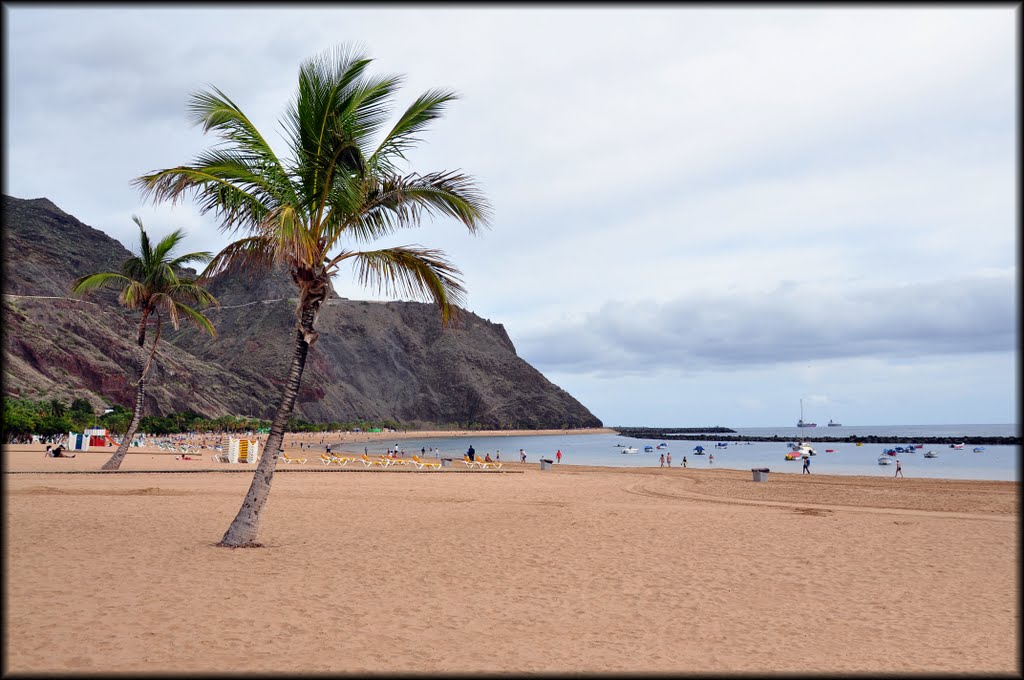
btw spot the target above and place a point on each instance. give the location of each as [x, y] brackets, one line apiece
[245, 527]
[115, 460]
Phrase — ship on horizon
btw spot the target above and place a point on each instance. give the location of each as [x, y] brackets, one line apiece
[801, 423]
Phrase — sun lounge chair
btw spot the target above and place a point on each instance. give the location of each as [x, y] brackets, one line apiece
[367, 461]
[490, 464]
[219, 458]
[285, 457]
[471, 463]
[327, 460]
[342, 460]
[425, 464]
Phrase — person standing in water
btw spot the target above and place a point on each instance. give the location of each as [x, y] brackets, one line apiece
[899, 470]
[668, 458]
[558, 456]
[662, 461]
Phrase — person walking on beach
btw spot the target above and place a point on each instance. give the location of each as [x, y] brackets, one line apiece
[471, 452]
[899, 470]
[668, 459]
[522, 456]
[684, 461]
[807, 466]
[558, 455]
[662, 460]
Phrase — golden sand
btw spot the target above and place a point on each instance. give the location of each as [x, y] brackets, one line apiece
[574, 569]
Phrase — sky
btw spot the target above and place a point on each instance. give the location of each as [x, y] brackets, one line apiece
[703, 214]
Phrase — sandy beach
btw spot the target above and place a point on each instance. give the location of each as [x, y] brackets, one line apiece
[573, 569]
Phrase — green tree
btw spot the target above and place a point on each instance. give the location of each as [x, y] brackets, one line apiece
[56, 408]
[150, 285]
[339, 189]
[21, 418]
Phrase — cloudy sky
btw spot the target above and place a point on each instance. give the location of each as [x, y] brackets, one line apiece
[703, 214]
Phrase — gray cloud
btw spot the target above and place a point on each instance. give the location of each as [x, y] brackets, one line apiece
[791, 323]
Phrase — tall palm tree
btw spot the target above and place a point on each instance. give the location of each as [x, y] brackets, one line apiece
[149, 284]
[340, 186]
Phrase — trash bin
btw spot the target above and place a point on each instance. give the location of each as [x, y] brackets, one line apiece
[446, 462]
[760, 474]
[545, 463]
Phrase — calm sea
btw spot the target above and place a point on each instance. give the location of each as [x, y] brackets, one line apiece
[994, 463]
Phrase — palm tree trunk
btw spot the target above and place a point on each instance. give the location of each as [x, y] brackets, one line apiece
[245, 527]
[115, 460]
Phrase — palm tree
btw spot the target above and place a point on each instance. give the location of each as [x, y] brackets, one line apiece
[337, 187]
[149, 284]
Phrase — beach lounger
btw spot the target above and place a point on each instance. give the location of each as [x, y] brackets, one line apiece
[471, 463]
[367, 461]
[490, 464]
[327, 460]
[342, 460]
[219, 458]
[287, 459]
[424, 464]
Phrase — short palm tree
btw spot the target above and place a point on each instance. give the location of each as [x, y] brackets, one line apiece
[341, 185]
[149, 284]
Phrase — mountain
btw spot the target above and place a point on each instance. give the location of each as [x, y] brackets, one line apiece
[373, 360]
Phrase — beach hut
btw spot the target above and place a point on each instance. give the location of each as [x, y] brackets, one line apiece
[243, 450]
[78, 441]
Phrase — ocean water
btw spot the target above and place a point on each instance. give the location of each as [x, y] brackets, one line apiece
[1001, 463]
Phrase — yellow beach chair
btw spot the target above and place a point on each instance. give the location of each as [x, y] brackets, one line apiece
[287, 459]
[367, 461]
[425, 464]
[327, 460]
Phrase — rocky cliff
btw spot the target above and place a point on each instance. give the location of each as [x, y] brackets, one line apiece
[373, 360]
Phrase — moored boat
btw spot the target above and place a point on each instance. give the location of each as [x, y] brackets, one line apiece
[884, 460]
[979, 449]
[628, 449]
[834, 424]
[648, 449]
[957, 446]
[931, 454]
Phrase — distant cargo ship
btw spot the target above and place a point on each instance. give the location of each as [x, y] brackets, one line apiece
[831, 424]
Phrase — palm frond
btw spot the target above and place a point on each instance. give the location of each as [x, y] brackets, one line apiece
[420, 273]
[428, 107]
[91, 282]
[255, 254]
[400, 202]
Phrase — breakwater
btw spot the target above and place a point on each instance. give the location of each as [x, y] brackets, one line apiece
[723, 434]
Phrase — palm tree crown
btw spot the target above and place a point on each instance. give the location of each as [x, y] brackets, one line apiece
[336, 183]
[148, 283]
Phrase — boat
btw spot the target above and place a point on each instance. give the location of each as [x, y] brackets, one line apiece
[662, 445]
[801, 423]
[698, 449]
[628, 449]
[979, 449]
[803, 449]
[889, 452]
[832, 424]
[793, 456]
[648, 449]
[957, 446]
[830, 450]
[721, 445]
[884, 460]
[931, 454]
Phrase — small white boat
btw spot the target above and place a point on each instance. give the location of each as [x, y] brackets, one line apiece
[804, 449]
[628, 449]
[884, 460]
[956, 446]
[648, 449]
[931, 454]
